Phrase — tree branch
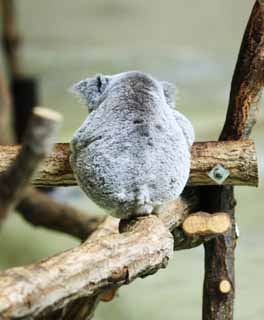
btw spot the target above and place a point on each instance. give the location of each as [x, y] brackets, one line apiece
[239, 158]
[39, 209]
[85, 271]
[241, 116]
[247, 80]
[37, 144]
[108, 259]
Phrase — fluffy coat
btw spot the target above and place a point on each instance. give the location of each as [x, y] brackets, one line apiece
[132, 153]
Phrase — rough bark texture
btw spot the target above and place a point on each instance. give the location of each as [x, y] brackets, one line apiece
[219, 257]
[113, 256]
[247, 81]
[87, 270]
[241, 116]
[237, 157]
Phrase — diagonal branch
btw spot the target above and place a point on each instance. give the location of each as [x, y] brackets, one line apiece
[241, 116]
[248, 80]
[108, 259]
[37, 144]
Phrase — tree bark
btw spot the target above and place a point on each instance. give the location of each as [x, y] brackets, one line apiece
[239, 158]
[114, 256]
[241, 116]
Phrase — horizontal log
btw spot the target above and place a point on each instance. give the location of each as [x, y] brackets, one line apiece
[238, 157]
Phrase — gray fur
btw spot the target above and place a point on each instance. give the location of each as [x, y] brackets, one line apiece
[132, 153]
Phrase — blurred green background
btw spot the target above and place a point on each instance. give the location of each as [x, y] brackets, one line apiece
[191, 43]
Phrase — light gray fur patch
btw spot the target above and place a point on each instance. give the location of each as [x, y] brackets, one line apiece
[132, 153]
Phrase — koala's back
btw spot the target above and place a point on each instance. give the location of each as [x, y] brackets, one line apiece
[132, 156]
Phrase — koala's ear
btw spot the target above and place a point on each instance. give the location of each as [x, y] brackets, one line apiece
[90, 90]
[170, 93]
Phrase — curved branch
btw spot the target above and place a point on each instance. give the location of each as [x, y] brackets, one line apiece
[248, 80]
[39, 209]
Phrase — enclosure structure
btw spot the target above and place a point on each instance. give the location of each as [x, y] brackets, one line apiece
[114, 253]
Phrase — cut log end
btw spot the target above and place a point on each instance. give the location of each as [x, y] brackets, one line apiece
[225, 286]
[202, 223]
[47, 114]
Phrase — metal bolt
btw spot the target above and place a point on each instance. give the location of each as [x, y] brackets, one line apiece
[219, 174]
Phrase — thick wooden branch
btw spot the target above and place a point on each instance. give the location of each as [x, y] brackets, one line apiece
[107, 260]
[248, 80]
[247, 83]
[85, 271]
[239, 158]
[36, 145]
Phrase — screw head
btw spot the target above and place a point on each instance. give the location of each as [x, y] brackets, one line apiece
[219, 174]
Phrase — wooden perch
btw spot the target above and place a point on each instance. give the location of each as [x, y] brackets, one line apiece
[108, 259]
[246, 87]
[36, 145]
[239, 158]
[85, 271]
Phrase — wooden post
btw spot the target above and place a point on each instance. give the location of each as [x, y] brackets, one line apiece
[218, 299]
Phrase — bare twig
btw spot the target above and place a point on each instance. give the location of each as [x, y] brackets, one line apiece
[37, 144]
[238, 158]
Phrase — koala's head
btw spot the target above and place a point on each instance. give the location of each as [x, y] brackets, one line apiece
[94, 91]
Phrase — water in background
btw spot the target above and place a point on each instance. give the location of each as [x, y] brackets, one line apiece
[191, 43]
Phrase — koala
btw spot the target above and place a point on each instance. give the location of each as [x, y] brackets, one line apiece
[132, 153]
